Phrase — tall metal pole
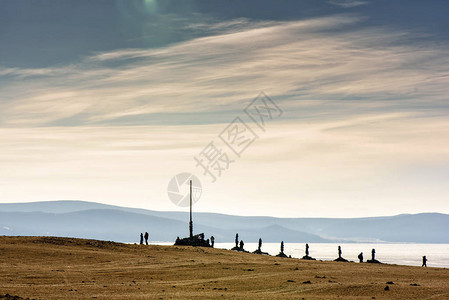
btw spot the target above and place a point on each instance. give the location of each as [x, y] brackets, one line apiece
[191, 222]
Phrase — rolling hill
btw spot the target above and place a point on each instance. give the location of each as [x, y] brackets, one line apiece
[106, 222]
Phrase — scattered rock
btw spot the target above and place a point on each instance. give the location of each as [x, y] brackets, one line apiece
[341, 259]
[308, 257]
[307, 282]
[260, 252]
[390, 282]
[290, 280]
[387, 288]
[414, 284]
[375, 261]
[8, 296]
[250, 270]
[239, 249]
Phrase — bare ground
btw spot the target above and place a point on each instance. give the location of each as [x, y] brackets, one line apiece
[66, 268]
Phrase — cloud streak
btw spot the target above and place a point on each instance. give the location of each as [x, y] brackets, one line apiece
[291, 60]
[348, 3]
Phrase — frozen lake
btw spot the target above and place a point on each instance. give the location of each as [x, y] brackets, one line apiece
[401, 254]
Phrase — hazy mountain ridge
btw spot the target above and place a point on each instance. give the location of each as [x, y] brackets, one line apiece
[100, 221]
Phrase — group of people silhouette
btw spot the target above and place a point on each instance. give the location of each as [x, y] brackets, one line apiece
[146, 236]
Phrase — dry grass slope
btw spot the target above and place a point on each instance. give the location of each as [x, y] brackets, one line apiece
[65, 268]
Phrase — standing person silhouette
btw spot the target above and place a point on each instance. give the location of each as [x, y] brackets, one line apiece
[212, 241]
[373, 254]
[141, 238]
[307, 249]
[241, 244]
[424, 261]
[360, 257]
[146, 237]
[339, 251]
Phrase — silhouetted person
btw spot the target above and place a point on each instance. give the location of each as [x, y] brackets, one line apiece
[373, 254]
[260, 244]
[307, 249]
[146, 236]
[212, 241]
[424, 261]
[360, 257]
[339, 251]
[241, 244]
[236, 240]
[201, 236]
[282, 247]
[141, 238]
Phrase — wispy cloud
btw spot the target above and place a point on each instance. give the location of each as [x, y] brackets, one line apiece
[348, 3]
[307, 60]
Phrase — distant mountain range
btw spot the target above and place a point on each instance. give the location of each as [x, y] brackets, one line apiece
[106, 222]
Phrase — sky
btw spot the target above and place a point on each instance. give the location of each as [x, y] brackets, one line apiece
[107, 101]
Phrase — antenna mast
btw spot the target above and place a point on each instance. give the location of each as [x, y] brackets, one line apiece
[191, 222]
